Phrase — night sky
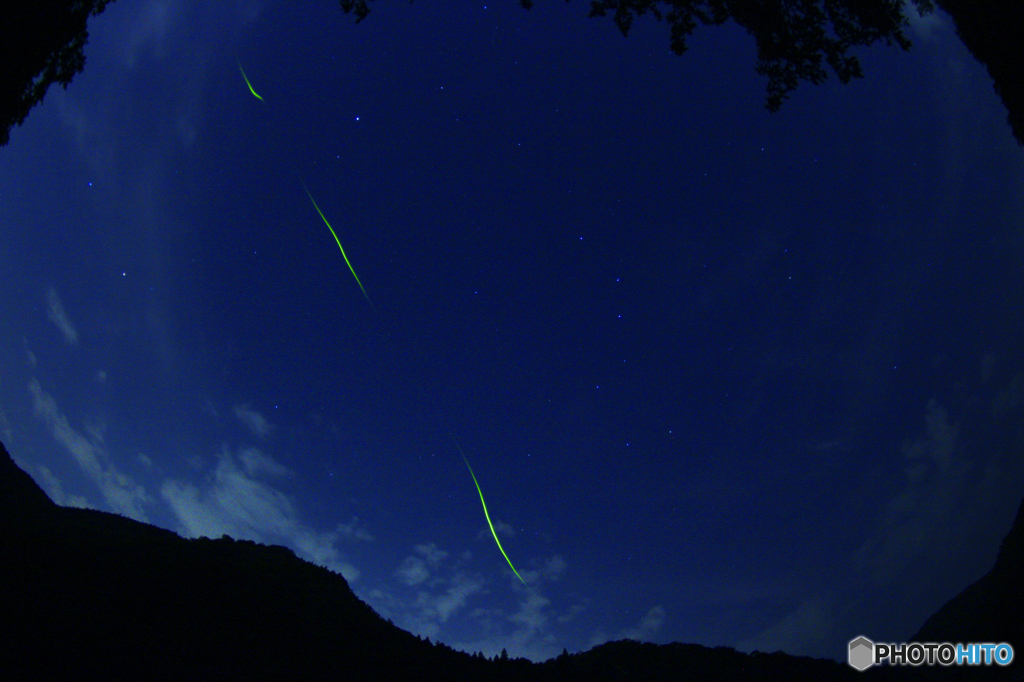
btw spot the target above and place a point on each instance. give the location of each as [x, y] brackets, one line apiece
[724, 376]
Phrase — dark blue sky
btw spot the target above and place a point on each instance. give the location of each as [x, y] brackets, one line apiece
[724, 376]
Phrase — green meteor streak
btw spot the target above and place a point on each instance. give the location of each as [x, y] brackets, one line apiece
[486, 515]
[351, 269]
[248, 83]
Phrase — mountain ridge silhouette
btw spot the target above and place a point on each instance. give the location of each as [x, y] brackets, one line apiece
[89, 594]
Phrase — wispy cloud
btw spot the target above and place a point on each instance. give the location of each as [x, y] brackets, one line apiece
[532, 630]
[437, 597]
[460, 588]
[55, 489]
[258, 463]
[933, 516]
[412, 571]
[810, 627]
[550, 570]
[648, 626]
[643, 630]
[55, 312]
[531, 619]
[121, 493]
[441, 590]
[415, 568]
[935, 474]
[928, 25]
[431, 553]
[239, 501]
[147, 34]
[353, 531]
[253, 420]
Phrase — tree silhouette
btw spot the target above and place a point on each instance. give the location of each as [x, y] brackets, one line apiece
[40, 45]
[794, 37]
[991, 30]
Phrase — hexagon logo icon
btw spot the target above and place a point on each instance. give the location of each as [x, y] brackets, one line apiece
[862, 653]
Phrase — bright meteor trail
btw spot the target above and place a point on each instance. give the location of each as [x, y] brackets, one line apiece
[248, 83]
[351, 269]
[486, 515]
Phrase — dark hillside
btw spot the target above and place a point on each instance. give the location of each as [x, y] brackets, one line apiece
[95, 595]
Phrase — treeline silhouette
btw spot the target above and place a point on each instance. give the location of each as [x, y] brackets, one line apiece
[42, 41]
[795, 40]
[88, 594]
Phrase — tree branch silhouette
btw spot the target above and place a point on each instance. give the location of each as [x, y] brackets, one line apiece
[40, 45]
[795, 38]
